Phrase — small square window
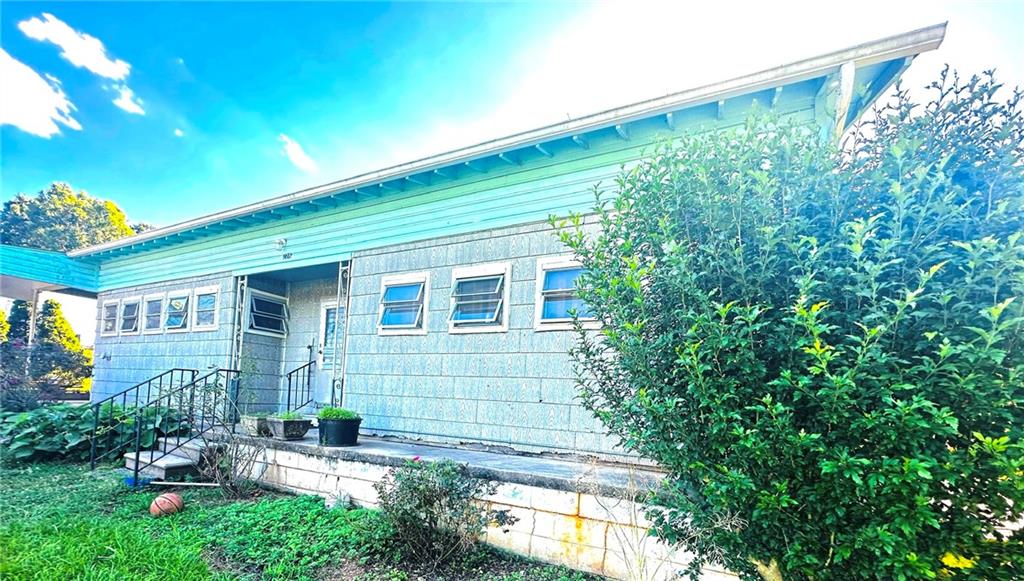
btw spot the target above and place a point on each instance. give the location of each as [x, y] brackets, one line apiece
[152, 311]
[205, 317]
[403, 304]
[130, 316]
[176, 314]
[108, 324]
[479, 300]
[556, 294]
[268, 313]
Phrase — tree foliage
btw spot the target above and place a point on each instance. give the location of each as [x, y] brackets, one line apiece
[5, 326]
[824, 348]
[53, 328]
[19, 320]
[61, 219]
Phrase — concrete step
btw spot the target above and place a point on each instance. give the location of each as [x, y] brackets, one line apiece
[192, 450]
[164, 467]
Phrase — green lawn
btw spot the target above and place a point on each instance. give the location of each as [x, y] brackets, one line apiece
[65, 522]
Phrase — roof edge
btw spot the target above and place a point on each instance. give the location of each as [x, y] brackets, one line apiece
[892, 47]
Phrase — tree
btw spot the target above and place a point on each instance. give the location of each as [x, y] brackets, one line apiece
[5, 327]
[823, 348]
[53, 328]
[60, 219]
[19, 320]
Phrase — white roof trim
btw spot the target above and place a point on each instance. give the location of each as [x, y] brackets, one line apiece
[889, 48]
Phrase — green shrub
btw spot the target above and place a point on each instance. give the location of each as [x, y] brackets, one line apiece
[825, 349]
[331, 413]
[430, 507]
[63, 432]
[288, 416]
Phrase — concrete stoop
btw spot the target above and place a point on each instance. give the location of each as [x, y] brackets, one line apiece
[176, 463]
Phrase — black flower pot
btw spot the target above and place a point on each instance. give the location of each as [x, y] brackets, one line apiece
[339, 432]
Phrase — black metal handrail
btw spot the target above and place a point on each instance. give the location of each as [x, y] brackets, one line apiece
[107, 416]
[300, 390]
[205, 404]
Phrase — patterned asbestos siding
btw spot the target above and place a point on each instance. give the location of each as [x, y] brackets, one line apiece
[510, 389]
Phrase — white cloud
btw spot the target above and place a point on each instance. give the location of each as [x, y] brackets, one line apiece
[127, 100]
[87, 52]
[32, 103]
[80, 49]
[297, 155]
[178, 132]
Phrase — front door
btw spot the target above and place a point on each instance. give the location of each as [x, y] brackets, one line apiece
[329, 352]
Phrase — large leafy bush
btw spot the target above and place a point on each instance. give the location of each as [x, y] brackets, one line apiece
[64, 432]
[824, 348]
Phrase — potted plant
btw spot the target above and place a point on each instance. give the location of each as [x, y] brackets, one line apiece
[338, 427]
[255, 425]
[288, 426]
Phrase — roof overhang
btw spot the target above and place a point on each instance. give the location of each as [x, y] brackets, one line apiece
[850, 80]
[24, 272]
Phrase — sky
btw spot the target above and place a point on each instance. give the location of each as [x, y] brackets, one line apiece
[176, 110]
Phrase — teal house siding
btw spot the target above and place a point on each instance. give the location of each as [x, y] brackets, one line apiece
[53, 269]
[512, 389]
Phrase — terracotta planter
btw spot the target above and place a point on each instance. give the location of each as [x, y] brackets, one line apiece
[339, 432]
[255, 426]
[288, 429]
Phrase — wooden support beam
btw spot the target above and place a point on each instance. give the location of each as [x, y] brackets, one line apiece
[543, 151]
[507, 158]
[441, 174]
[623, 132]
[670, 121]
[581, 141]
[417, 181]
[475, 166]
[775, 97]
[720, 110]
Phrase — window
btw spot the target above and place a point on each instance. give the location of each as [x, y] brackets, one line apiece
[152, 310]
[176, 313]
[268, 314]
[479, 299]
[403, 301]
[108, 324]
[205, 316]
[130, 316]
[328, 320]
[556, 294]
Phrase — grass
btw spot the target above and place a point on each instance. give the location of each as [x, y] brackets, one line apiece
[60, 521]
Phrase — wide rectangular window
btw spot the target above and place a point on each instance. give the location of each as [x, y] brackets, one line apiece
[130, 316]
[268, 314]
[556, 294]
[479, 301]
[177, 312]
[403, 304]
[152, 312]
[205, 316]
[108, 322]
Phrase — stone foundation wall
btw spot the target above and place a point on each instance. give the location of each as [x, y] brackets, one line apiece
[585, 531]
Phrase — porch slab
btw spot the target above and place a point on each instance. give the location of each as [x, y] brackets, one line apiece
[530, 470]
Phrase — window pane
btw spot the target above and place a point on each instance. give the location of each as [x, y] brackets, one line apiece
[177, 305]
[153, 307]
[109, 311]
[564, 279]
[480, 311]
[109, 325]
[130, 310]
[478, 286]
[267, 307]
[176, 320]
[153, 321]
[204, 318]
[400, 316]
[206, 302]
[558, 307]
[266, 323]
[402, 293]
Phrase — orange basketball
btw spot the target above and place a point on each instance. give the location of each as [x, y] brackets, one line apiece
[166, 503]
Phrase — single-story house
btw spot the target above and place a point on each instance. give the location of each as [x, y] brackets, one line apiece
[432, 297]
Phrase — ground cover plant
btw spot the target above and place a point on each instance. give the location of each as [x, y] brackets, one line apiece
[61, 521]
[825, 348]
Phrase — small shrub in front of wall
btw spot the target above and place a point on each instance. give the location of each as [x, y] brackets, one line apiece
[63, 432]
[332, 413]
[431, 508]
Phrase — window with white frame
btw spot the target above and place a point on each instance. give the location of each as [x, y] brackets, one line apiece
[206, 302]
[403, 304]
[130, 316]
[556, 299]
[329, 325]
[479, 301]
[108, 321]
[177, 311]
[152, 313]
[268, 313]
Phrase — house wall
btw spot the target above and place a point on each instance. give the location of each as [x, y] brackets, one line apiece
[511, 389]
[121, 361]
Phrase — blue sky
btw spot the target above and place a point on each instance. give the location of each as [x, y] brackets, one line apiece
[176, 110]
